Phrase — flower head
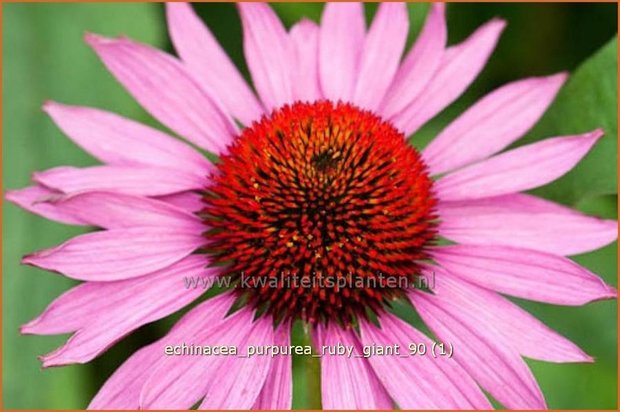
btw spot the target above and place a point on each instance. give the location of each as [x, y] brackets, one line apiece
[317, 211]
[325, 192]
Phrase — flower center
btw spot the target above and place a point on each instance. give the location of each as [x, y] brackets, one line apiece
[320, 212]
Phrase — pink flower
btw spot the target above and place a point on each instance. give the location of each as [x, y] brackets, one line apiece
[319, 183]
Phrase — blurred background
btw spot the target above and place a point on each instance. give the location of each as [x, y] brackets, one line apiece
[45, 57]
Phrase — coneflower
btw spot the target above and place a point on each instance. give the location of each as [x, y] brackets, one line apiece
[315, 183]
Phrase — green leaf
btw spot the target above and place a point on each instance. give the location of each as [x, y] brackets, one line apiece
[45, 58]
[588, 101]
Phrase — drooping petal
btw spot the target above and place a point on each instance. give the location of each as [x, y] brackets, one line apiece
[269, 54]
[277, 392]
[497, 368]
[101, 313]
[517, 170]
[381, 54]
[305, 38]
[348, 382]
[35, 199]
[524, 273]
[178, 382]
[210, 64]
[340, 46]
[241, 384]
[459, 66]
[166, 90]
[516, 327]
[493, 123]
[524, 221]
[189, 201]
[135, 180]
[115, 210]
[122, 389]
[420, 63]
[419, 381]
[80, 306]
[117, 253]
[118, 141]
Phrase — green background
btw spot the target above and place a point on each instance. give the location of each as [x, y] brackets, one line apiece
[45, 58]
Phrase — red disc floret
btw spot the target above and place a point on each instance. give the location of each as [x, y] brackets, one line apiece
[320, 211]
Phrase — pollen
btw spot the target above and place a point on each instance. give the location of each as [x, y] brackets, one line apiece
[320, 212]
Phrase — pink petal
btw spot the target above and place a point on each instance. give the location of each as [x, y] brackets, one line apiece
[348, 383]
[277, 392]
[117, 254]
[178, 382]
[517, 170]
[419, 381]
[524, 221]
[189, 201]
[268, 52]
[122, 389]
[115, 210]
[135, 180]
[118, 141]
[517, 328]
[210, 64]
[84, 304]
[101, 313]
[497, 368]
[241, 385]
[524, 273]
[459, 66]
[305, 38]
[381, 54]
[419, 65]
[35, 199]
[166, 90]
[340, 47]
[493, 123]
